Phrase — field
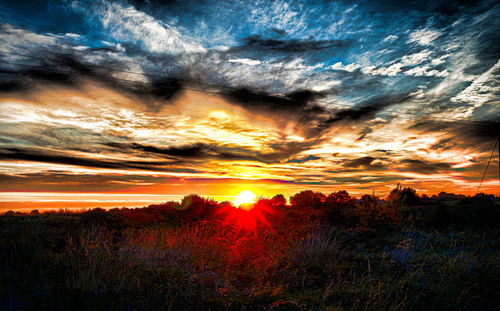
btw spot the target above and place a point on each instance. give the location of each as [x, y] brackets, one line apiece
[318, 253]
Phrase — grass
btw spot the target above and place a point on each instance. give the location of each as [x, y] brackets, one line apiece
[68, 261]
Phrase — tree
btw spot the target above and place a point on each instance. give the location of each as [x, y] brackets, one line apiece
[444, 196]
[336, 203]
[403, 196]
[308, 199]
[99, 216]
[399, 200]
[195, 207]
[192, 202]
[338, 198]
[374, 214]
[278, 201]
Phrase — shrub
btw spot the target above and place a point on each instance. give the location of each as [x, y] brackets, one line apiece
[308, 200]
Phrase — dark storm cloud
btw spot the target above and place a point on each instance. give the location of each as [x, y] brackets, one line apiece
[293, 102]
[290, 46]
[11, 85]
[356, 113]
[313, 118]
[196, 151]
[303, 102]
[297, 106]
[362, 112]
[25, 75]
[410, 165]
[367, 109]
[42, 65]
[211, 151]
[364, 162]
[442, 8]
[462, 133]
[67, 69]
[57, 181]
[60, 158]
[424, 167]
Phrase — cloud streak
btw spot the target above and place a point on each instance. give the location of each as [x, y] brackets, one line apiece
[298, 93]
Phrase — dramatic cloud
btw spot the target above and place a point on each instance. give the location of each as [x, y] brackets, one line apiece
[290, 46]
[415, 165]
[32, 155]
[464, 133]
[184, 97]
[424, 36]
[365, 162]
[126, 24]
[204, 151]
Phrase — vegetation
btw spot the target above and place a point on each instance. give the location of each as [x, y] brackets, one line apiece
[321, 252]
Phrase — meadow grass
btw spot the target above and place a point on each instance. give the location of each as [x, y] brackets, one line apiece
[67, 261]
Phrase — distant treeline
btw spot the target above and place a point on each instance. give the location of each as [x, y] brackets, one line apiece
[402, 207]
[318, 252]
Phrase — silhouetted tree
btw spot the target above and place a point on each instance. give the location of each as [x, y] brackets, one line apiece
[194, 207]
[374, 214]
[263, 202]
[99, 216]
[308, 199]
[225, 204]
[336, 203]
[400, 199]
[444, 196]
[403, 196]
[278, 201]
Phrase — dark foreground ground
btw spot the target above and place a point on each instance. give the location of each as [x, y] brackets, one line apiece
[343, 254]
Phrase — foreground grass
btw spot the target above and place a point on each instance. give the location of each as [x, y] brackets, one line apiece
[59, 262]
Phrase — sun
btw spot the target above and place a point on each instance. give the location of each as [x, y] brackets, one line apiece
[244, 197]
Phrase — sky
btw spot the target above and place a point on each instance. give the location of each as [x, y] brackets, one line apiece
[122, 103]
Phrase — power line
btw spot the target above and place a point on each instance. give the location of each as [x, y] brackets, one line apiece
[484, 174]
[225, 87]
[130, 72]
[218, 86]
[99, 76]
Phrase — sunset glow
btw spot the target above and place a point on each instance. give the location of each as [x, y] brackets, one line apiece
[160, 101]
[245, 197]
[249, 155]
